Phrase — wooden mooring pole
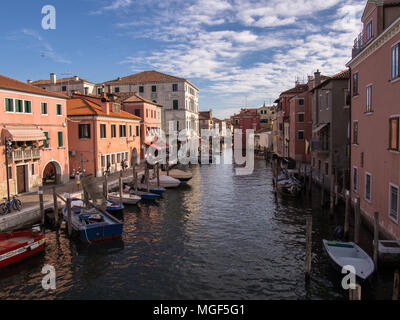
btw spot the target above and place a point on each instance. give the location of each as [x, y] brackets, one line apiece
[121, 186]
[347, 215]
[69, 214]
[147, 174]
[357, 221]
[158, 174]
[376, 239]
[396, 285]
[105, 186]
[56, 213]
[355, 294]
[332, 195]
[41, 205]
[323, 191]
[308, 246]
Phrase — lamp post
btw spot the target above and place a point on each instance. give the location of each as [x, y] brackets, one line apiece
[8, 151]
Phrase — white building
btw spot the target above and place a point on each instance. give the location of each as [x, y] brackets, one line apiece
[65, 85]
[178, 96]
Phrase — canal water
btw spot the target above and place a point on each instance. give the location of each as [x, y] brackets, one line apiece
[221, 236]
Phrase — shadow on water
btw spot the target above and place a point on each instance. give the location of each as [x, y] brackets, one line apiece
[221, 236]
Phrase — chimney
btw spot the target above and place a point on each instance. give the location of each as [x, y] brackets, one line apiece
[76, 78]
[53, 78]
[29, 82]
[317, 78]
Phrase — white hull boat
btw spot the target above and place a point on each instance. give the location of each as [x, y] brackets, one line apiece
[127, 198]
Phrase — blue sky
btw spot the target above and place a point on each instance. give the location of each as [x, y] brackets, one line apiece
[235, 51]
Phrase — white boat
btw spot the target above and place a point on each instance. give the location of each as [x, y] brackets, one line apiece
[181, 175]
[389, 251]
[127, 198]
[349, 254]
[165, 182]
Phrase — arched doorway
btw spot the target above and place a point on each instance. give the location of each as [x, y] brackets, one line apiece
[52, 173]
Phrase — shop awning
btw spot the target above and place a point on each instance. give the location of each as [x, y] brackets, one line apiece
[320, 127]
[24, 134]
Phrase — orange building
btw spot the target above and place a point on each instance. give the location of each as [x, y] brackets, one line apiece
[35, 122]
[100, 134]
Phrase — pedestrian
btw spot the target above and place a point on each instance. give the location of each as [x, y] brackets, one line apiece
[78, 180]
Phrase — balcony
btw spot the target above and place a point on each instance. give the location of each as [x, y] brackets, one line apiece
[27, 154]
[360, 43]
[320, 146]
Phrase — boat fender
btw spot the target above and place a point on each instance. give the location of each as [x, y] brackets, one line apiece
[338, 234]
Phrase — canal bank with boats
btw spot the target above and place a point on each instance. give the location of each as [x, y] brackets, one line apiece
[220, 236]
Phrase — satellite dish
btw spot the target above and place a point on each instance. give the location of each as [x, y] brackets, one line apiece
[134, 157]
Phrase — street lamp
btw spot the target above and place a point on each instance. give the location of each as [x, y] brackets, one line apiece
[8, 153]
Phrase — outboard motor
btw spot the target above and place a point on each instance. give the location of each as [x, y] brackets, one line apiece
[338, 234]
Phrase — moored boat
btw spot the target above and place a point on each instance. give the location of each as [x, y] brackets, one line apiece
[180, 175]
[389, 251]
[288, 184]
[349, 254]
[127, 198]
[114, 206]
[92, 224]
[20, 245]
[166, 182]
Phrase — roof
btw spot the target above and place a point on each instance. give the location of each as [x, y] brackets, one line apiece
[60, 81]
[83, 107]
[12, 84]
[342, 75]
[297, 89]
[147, 77]
[136, 98]
[205, 115]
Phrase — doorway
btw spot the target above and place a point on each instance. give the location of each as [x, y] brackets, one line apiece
[21, 176]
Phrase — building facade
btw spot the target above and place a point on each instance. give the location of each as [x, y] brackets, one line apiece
[35, 122]
[65, 85]
[100, 135]
[247, 119]
[267, 114]
[178, 96]
[206, 120]
[375, 115]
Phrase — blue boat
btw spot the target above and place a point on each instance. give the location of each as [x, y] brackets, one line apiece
[114, 206]
[146, 195]
[156, 190]
[92, 225]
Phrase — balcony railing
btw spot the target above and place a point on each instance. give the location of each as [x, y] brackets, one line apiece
[28, 154]
[320, 146]
[360, 43]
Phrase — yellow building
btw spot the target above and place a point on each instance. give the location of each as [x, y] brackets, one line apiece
[267, 115]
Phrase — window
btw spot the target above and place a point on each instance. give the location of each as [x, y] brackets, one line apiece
[301, 117]
[60, 135]
[122, 131]
[32, 169]
[147, 113]
[137, 112]
[174, 87]
[44, 107]
[394, 202]
[19, 106]
[141, 89]
[130, 131]
[118, 157]
[113, 159]
[369, 99]
[99, 91]
[137, 131]
[59, 109]
[153, 88]
[103, 161]
[9, 105]
[326, 168]
[319, 165]
[368, 187]
[10, 175]
[346, 97]
[355, 84]
[301, 102]
[116, 89]
[27, 106]
[175, 105]
[355, 132]
[84, 131]
[369, 31]
[113, 131]
[395, 61]
[394, 133]
[355, 179]
[313, 162]
[64, 88]
[103, 131]
[46, 142]
[301, 134]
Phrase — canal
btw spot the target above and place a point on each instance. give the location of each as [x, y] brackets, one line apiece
[221, 236]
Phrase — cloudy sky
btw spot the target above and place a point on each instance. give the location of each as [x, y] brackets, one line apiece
[237, 52]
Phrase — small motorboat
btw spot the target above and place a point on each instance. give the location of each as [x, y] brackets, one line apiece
[94, 224]
[349, 254]
[166, 182]
[144, 195]
[152, 189]
[114, 206]
[181, 175]
[288, 184]
[389, 251]
[127, 198]
[16, 246]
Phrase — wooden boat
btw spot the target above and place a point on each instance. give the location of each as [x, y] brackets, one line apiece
[92, 225]
[288, 184]
[181, 175]
[349, 254]
[389, 251]
[17, 246]
[127, 198]
[114, 206]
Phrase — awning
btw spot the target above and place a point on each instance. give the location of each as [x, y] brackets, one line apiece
[24, 134]
[320, 127]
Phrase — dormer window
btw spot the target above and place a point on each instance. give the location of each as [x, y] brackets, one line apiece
[369, 31]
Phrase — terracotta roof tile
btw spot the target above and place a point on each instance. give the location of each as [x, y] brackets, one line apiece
[136, 98]
[60, 81]
[12, 84]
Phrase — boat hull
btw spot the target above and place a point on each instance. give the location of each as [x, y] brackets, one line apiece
[125, 200]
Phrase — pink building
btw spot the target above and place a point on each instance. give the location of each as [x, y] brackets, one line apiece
[100, 134]
[35, 121]
[247, 119]
[375, 115]
[150, 112]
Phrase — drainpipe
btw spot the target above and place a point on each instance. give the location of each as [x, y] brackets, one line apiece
[350, 125]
